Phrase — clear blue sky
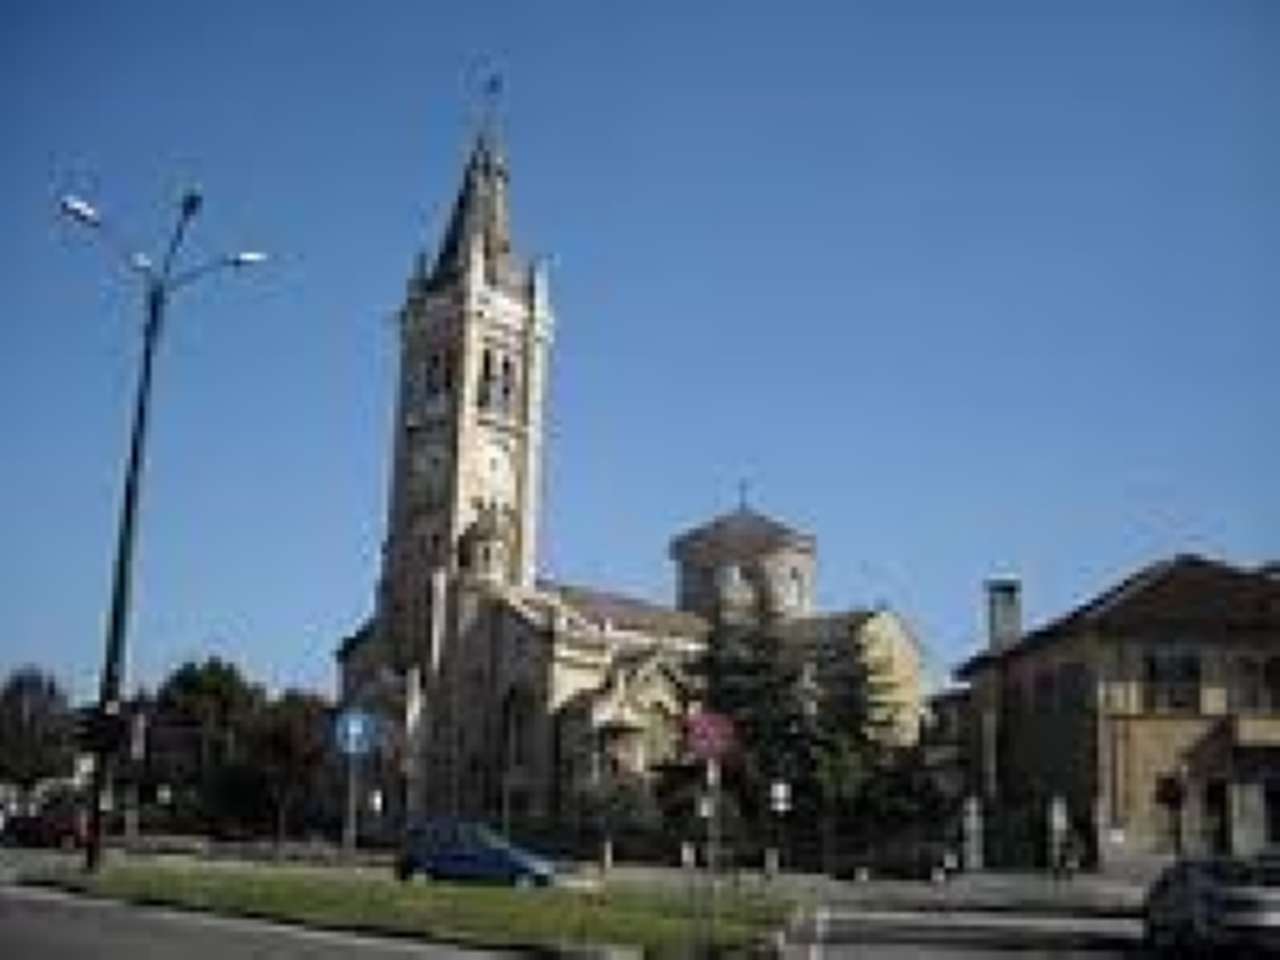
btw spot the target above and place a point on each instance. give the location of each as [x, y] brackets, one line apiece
[960, 288]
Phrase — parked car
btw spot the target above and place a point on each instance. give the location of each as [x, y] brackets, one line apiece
[449, 849]
[59, 827]
[1215, 906]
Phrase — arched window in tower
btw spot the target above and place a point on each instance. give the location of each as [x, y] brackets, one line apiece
[433, 376]
[485, 394]
[517, 721]
[795, 588]
[450, 361]
[508, 386]
[414, 383]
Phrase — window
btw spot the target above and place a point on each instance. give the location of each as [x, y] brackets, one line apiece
[1046, 692]
[518, 721]
[433, 376]
[507, 402]
[1074, 686]
[485, 393]
[795, 590]
[1247, 693]
[1172, 683]
[1271, 683]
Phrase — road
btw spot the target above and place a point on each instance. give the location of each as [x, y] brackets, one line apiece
[52, 926]
[846, 934]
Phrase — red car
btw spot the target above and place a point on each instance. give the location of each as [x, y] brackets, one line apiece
[61, 827]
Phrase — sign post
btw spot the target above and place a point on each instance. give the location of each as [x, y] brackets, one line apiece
[710, 739]
[353, 731]
[780, 804]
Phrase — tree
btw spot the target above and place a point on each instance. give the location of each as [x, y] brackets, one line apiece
[812, 714]
[851, 723]
[215, 698]
[36, 729]
[290, 749]
[203, 714]
[755, 677]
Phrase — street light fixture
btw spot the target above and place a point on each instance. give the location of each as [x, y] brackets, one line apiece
[159, 284]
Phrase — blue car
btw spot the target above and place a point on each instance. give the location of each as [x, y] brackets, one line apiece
[463, 850]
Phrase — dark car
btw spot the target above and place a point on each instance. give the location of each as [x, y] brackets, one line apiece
[60, 827]
[464, 850]
[1203, 906]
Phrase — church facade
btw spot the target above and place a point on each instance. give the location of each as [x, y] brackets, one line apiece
[503, 694]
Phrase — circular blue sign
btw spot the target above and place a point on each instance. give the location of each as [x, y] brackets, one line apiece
[354, 731]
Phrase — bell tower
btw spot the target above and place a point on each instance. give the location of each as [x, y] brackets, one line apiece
[475, 330]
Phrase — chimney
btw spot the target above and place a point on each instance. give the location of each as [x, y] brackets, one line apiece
[1004, 613]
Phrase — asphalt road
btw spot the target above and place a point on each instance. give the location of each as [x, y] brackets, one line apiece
[836, 934]
[934, 951]
[51, 926]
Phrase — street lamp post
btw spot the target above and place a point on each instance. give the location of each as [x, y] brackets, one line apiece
[159, 284]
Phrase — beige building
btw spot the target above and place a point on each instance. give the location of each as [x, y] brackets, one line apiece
[1153, 710]
[505, 693]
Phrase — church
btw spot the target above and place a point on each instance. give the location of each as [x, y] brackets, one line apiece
[501, 693]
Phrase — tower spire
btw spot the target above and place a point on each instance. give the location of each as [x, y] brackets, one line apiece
[480, 209]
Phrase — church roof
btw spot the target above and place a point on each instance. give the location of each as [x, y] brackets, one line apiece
[743, 531]
[1185, 594]
[627, 613]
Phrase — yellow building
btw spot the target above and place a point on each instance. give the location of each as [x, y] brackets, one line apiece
[1152, 710]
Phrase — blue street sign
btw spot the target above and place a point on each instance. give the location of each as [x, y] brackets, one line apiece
[354, 731]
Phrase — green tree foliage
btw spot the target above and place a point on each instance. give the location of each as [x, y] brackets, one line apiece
[850, 723]
[619, 802]
[291, 750]
[36, 729]
[756, 679]
[817, 717]
[202, 715]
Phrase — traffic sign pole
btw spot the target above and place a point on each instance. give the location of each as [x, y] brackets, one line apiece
[354, 733]
[711, 738]
[349, 824]
[713, 848]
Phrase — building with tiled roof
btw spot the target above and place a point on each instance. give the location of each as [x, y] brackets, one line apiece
[1163, 687]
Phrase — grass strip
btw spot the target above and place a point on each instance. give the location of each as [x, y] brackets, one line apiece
[659, 921]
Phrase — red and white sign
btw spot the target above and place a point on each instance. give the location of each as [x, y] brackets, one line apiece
[710, 734]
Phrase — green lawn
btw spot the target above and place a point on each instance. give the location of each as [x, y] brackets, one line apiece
[659, 920]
